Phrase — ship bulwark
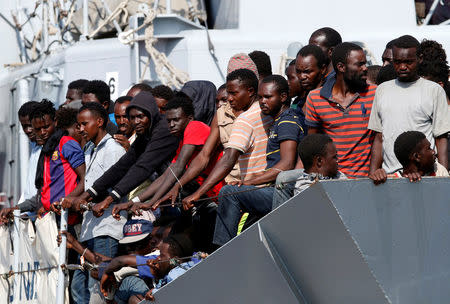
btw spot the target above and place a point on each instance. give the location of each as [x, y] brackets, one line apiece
[336, 242]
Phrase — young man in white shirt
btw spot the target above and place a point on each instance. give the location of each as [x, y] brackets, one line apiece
[99, 234]
[24, 117]
[404, 104]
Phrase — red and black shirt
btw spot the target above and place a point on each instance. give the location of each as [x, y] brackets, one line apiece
[347, 127]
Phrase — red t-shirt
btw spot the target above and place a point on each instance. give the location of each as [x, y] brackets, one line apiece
[196, 134]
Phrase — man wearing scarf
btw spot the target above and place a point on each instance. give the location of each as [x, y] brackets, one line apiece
[61, 168]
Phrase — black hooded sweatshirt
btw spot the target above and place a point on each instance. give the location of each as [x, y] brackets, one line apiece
[203, 95]
[150, 152]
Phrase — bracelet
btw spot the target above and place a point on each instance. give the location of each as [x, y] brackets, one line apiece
[82, 257]
[92, 192]
[115, 196]
[136, 199]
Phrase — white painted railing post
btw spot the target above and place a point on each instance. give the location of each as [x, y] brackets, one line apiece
[85, 31]
[62, 259]
[16, 244]
[168, 7]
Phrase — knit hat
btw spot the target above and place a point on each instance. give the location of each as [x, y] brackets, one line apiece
[242, 61]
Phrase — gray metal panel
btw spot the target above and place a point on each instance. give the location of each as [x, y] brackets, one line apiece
[319, 251]
[170, 26]
[402, 228]
[241, 273]
[336, 242]
[94, 58]
[307, 244]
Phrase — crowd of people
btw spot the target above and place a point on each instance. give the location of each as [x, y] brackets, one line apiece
[158, 179]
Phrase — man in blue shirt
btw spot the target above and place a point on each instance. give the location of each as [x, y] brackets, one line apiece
[162, 268]
[138, 242]
[318, 155]
[175, 258]
[98, 91]
[327, 39]
[296, 92]
[310, 67]
[25, 121]
[284, 137]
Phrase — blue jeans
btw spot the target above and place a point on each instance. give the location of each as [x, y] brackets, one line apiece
[258, 202]
[130, 286]
[284, 186]
[82, 281]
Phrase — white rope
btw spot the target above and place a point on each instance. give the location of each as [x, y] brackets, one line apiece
[34, 44]
[114, 14]
[176, 177]
[69, 16]
[127, 36]
[166, 71]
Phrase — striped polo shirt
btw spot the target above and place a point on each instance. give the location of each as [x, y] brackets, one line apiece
[347, 127]
[249, 136]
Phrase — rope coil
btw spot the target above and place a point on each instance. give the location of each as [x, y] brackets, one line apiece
[165, 70]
